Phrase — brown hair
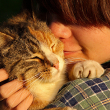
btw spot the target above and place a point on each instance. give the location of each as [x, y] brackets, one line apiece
[81, 12]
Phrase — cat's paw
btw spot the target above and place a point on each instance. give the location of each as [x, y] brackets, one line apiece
[88, 68]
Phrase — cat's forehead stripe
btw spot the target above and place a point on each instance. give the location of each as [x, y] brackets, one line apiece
[45, 48]
[38, 55]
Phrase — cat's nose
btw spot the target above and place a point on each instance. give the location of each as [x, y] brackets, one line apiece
[56, 65]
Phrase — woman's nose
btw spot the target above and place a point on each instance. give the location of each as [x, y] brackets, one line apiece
[60, 30]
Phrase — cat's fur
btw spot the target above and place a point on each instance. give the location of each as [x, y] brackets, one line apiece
[31, 53]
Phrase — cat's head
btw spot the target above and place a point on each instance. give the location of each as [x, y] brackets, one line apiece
[50, 56]
[32, 55]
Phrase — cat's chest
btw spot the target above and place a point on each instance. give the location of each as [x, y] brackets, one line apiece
[46, 91]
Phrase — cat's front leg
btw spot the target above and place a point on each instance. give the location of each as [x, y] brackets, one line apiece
[88, 68]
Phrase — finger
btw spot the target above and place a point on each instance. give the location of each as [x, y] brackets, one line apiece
[10, 88]
[16, 98]
[3, 75]
[24, 105]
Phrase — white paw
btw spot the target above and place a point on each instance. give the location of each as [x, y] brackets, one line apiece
[88, 68]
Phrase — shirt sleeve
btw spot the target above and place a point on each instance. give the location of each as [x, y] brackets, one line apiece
[85, 94]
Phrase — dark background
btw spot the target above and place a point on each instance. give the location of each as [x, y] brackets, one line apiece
[9, 8]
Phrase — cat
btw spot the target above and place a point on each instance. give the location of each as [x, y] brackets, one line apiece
[30, 53]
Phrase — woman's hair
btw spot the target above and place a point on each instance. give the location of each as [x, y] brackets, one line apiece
[81, 12]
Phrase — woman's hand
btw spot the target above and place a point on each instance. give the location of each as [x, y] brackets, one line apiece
[14, 95]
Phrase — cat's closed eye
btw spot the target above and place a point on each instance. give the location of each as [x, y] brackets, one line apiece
[36, 57]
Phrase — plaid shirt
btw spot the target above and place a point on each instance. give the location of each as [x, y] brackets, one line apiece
[85, 94]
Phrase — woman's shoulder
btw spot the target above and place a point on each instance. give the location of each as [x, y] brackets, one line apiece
[85, 94]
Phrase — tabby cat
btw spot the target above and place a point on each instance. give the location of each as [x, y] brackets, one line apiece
[30, 53]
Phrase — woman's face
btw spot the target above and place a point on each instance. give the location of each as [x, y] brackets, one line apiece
[82, 42]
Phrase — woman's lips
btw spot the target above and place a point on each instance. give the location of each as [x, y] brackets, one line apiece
[70, 52]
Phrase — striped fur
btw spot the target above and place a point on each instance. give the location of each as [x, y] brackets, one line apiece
[31, 53]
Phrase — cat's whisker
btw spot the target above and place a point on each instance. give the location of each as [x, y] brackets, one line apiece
[31, 84]
[73, 60]
[27, 80]
[34, 81]
[27, 86]
[41, 79]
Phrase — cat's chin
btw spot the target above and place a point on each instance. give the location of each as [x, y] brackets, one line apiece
[55, 74]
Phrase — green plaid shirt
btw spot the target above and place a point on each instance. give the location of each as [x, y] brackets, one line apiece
[85, 94]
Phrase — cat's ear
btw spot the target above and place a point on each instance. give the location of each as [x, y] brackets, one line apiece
[5, 39]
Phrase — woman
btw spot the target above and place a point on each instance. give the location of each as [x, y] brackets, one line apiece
[84, 28]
